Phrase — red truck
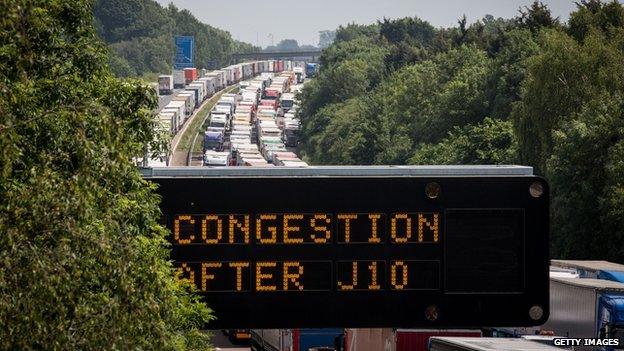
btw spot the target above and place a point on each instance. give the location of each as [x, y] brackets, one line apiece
[273, 104]
[270, 94]
[190, 75]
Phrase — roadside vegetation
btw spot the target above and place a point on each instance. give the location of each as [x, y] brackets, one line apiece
[84, 262]
[529, 90]
[140, 37]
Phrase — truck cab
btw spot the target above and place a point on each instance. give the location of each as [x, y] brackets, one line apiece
[213, 140]
[287, 100]
[611, 318]
[299, 74]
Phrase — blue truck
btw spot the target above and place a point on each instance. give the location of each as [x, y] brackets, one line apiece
[311, 69]
[296, 339]
[213, 139]
[592, 269]
[586, 308]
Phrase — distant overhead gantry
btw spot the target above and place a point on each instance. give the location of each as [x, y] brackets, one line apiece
[308, 56]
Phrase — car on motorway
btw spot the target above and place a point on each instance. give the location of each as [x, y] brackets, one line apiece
[216, 158]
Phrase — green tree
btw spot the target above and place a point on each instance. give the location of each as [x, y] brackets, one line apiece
[607, 17]
[509, 70]
[413, 30]
[347, 136]
[140, 34]
[490, 142]
[288, 45]
[84, 261]
[585, 172]
[560, 79]
[347, 79]
[352, 31]
[426, 100]
[326, 38]
[536, 17]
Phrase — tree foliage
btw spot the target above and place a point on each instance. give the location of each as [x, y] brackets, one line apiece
[288, 45]
[561, 78]
[353, 31]
[536, 17]
[326, 37]
[489, 142]
[529, 89]
[586, 172]
[84, 261]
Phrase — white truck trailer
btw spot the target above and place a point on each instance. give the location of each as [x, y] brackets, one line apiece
[165, 85]
[179, 81]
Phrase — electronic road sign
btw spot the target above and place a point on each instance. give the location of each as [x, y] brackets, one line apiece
[361, 246]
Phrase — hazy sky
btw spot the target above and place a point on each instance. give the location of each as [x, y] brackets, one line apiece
[253, 21]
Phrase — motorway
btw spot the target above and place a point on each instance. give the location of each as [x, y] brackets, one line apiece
[197, 158]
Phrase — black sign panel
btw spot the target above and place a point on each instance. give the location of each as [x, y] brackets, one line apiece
[278, 252]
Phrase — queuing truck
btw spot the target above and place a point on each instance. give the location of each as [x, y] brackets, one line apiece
[179, 81]
[291, 133]
[287, 100]
[209, 82]
[198, 91]
[165, 84]
[202, 88]
[190, 75]
[221, 79]
[194, 104]
[299, 74]
[586, 308]
[592, 269]
[213, 140]
[188, 101]
[295, 339]
[167, 119]
[180, 108]
[311, 69]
